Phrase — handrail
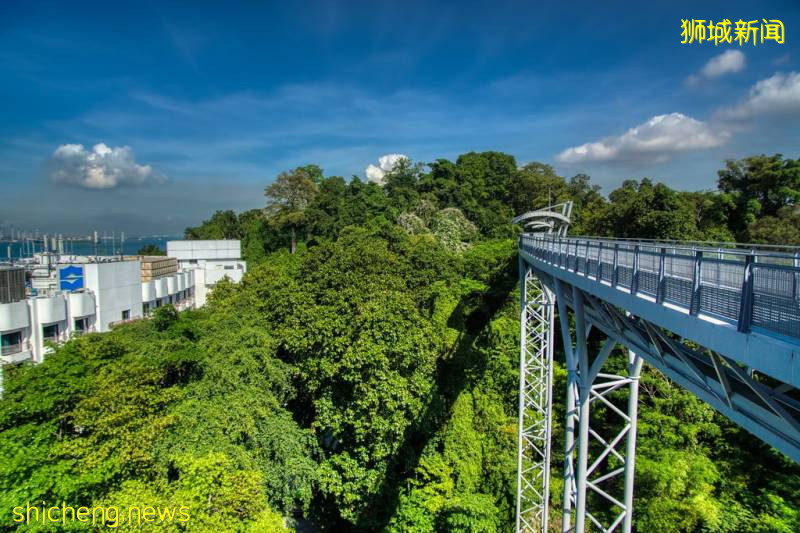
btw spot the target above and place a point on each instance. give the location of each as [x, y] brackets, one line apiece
[693, 246]
[746, 288]
[791, 249]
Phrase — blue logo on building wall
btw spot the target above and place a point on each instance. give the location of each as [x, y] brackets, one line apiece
[70, 278]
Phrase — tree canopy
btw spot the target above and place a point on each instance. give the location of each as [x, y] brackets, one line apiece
[369, 381]
[289, 196]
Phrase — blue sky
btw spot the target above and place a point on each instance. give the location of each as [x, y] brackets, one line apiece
[196, 106]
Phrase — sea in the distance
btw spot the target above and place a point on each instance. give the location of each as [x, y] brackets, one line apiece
[131, 246]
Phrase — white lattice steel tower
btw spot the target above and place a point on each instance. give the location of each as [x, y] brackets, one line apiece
[537, 313]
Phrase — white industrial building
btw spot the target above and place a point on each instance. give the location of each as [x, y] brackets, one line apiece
[209, 261]
[52, 297]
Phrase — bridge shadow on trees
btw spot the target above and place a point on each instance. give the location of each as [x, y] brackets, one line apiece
[460, 370]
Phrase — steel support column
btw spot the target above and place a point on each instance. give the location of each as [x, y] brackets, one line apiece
[634, 371]
[595, 465]
[571, 414]
[535, 401]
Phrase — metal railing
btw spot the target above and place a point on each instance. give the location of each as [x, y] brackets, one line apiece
[750, 288]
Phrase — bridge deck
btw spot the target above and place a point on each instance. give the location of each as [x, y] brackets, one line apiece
[739, 308]
[716, 320]
[743, 303]
[749, 289]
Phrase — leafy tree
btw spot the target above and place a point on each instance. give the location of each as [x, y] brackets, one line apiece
[221, 225]
[287, 200]
[401, 184]
[251, 227]
[784, 228]
[641, 209]
[314, 173]
[477, 183]
[537, 185]
[452, 229]
[712, 212]
[255, 235]
[151, 249]
[759, 186]
[215, 495]
[369, 381]
[326, 213]
[164, 317]
[588, 204]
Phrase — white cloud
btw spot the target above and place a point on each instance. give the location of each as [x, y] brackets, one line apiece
[777, 94]
[386, 163]
[781, 60]
[727, 62]
[100, 168]
[656, 139]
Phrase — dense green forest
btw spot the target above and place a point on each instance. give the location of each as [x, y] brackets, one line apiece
[364, 374]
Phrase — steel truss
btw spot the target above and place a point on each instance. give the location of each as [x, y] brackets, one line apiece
[770, 412]
[615, 455]
[537, 312]
[535, 402]
[599, 467]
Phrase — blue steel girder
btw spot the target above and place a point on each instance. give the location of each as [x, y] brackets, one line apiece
[710, 366]
[773, 355]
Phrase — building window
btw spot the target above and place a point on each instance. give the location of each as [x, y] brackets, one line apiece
[50, 333]
[126, 314]
[81, 325]
[146, 308]
[11, 343]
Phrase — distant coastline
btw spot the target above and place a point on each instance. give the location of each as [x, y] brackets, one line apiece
[85, 247]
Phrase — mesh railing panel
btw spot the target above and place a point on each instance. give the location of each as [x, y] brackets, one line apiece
[647, 277]
[773, 290]
[624, 276]
[648, 283]
[775, 299]
[678, 291]
[607, 260]
[721, 286]
[625, 259]
[720, 301]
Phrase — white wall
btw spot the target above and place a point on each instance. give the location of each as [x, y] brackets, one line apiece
[117, 287]
[48, 311]
[15, 316]
[189, 250]
[200, 290]
[209, 262]
[111, 287]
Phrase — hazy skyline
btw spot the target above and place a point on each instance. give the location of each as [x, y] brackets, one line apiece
[147, 118]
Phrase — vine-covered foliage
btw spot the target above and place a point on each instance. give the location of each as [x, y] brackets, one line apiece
[369, 381]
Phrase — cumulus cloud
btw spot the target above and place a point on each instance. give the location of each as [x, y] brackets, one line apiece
[386, 163]
[777, 94]
[781, 60]
[99, 168]
[655, 140]
[727, 62]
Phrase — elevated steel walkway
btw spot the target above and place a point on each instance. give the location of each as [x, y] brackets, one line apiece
[721, 321]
